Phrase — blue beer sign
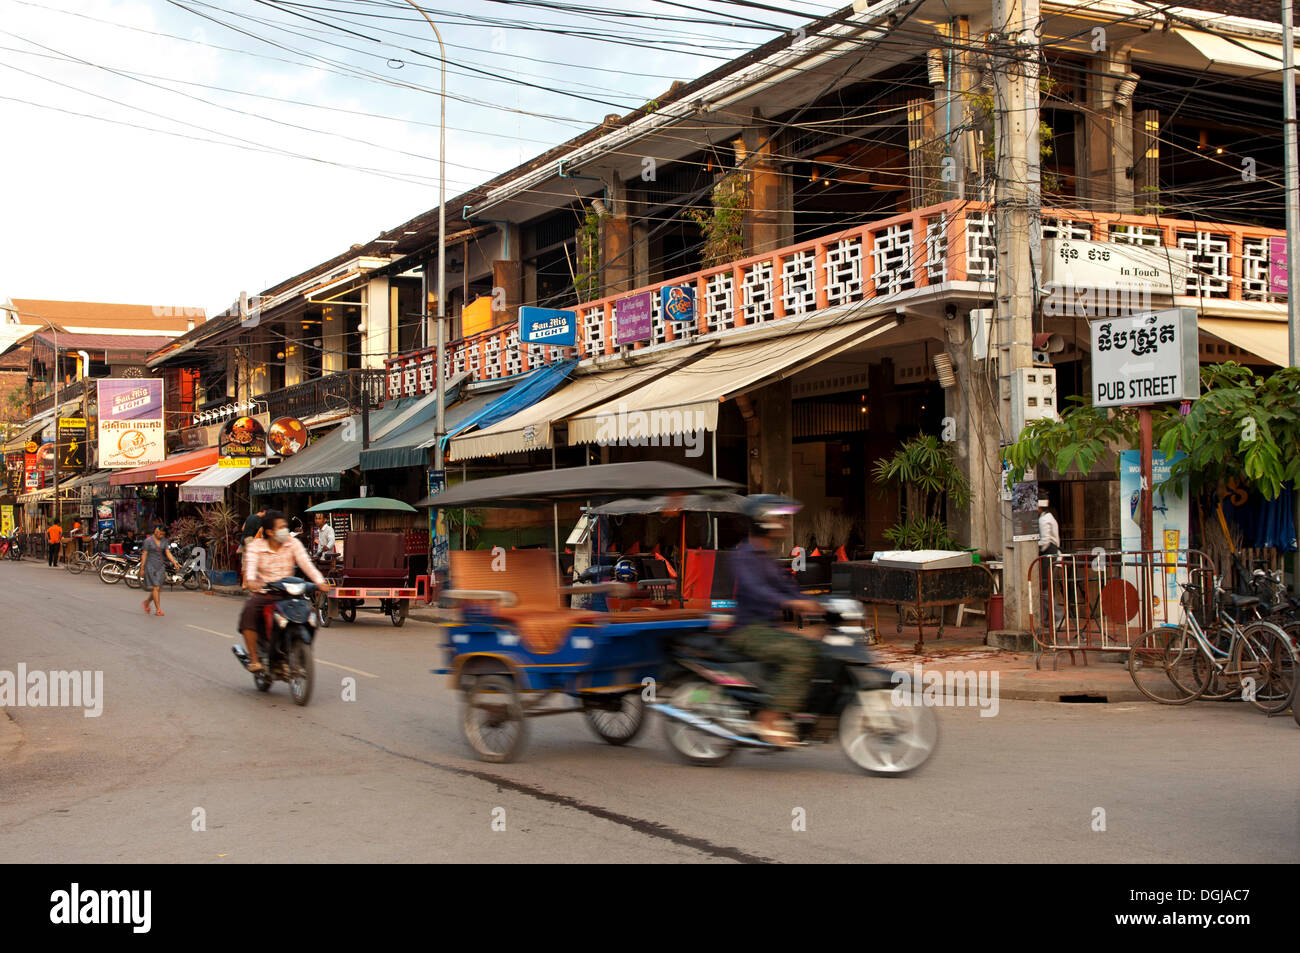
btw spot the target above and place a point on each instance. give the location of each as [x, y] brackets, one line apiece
[678, 302]
[548, 326]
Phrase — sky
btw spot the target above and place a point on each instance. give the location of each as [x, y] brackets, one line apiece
[177, 152]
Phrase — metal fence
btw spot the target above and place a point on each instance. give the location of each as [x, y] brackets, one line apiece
[1102, 600]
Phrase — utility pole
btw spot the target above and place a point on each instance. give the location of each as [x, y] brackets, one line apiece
[1017, 206]
[1292, 182]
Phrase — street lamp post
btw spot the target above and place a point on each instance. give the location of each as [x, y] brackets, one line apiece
[441, 329]
[441, 325]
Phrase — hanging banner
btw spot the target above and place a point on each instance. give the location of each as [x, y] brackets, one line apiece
[242, 439]
[287, 436]
[6, 520]
[131, 431]
[72, 444]
[31, 466]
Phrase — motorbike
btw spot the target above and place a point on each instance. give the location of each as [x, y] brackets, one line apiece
[711, 697]
[114, 566]
[188, 575]
[11, 548]
[284, 646]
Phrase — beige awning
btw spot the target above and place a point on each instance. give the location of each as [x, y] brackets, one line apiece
[687, 400]
[1267, 339]
[1236, 54]
[531, 428]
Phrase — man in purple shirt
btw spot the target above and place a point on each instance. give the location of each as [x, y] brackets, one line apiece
[763, 590]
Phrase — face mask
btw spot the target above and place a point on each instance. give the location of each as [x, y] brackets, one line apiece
[282, 534]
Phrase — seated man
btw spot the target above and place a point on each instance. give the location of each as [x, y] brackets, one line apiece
[763, 590]
[273, 555]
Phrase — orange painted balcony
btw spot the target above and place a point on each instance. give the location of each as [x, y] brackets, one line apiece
[947, 247]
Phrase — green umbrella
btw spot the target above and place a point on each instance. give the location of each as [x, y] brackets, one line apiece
[364, 504]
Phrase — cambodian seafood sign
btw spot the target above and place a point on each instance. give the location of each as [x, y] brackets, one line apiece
[131, 431]
[1147, 359]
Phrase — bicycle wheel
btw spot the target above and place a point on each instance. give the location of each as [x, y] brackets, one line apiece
[1219, 684]
[1265, 653]
[78, 562]
[1162, 664]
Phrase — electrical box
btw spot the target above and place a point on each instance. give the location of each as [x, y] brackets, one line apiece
[1033, 397]
[981, 322]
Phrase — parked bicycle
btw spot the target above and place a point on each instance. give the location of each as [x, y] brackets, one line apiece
[1177, 664]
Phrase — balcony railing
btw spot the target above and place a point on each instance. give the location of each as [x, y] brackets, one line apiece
[67, 394]
[877, 262]
[339, 392]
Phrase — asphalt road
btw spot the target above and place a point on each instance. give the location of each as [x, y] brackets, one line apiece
[387, 777]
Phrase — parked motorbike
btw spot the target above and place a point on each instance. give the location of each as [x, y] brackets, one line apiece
[285, 645]
[711, 698]
[115, 566]
[11, 548]
[188, 575]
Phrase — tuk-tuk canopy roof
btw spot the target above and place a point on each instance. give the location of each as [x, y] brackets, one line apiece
[682, 503]
[363, 504]
[603, 481]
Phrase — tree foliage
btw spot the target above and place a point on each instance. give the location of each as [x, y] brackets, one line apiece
[929, 474]
[1244, 425]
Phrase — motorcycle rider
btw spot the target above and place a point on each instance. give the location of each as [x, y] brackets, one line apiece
[267, 558]
[763, 590]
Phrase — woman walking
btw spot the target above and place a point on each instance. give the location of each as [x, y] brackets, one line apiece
[153, 571]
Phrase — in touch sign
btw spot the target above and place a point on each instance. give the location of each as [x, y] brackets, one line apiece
[130, 422]
[1146, 359]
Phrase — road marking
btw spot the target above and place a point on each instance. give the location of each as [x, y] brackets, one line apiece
[356, 671]
[209, 631]
[346, 669]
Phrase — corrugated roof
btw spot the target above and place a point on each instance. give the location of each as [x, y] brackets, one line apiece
[140, 317]
[106, 342]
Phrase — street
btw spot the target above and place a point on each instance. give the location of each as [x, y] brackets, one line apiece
[185, 741]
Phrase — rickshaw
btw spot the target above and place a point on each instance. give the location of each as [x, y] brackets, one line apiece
[373, 567]
[515, 646]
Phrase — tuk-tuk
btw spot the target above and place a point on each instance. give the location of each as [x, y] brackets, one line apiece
[517, 642]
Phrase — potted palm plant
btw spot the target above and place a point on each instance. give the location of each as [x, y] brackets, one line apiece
[221, 525]
[927, 472]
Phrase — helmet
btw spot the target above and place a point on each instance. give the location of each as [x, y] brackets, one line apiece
[625, 571]
[764, 510]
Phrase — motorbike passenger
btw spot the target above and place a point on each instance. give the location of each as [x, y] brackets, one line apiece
[763, 590]
[267, 558]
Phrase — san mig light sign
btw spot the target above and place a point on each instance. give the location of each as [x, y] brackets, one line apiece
[1145, 359]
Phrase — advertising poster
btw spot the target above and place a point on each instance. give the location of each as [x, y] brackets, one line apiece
[678, 303]
[6, 520]
[31, 467]
[1024, 511]
[548, 326]
[72, 444]
[14, 472]
[438, 558]
[243, 440]
[287, 436]
[1170, 524]
[131, 432]
[632, 318]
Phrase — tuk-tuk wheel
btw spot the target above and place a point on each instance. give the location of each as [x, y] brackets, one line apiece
[618, 720]
[348, 610]
[398, 611]
[492, 718]
[325, 609]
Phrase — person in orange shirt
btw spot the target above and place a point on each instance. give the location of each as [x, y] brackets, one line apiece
[54, 535]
